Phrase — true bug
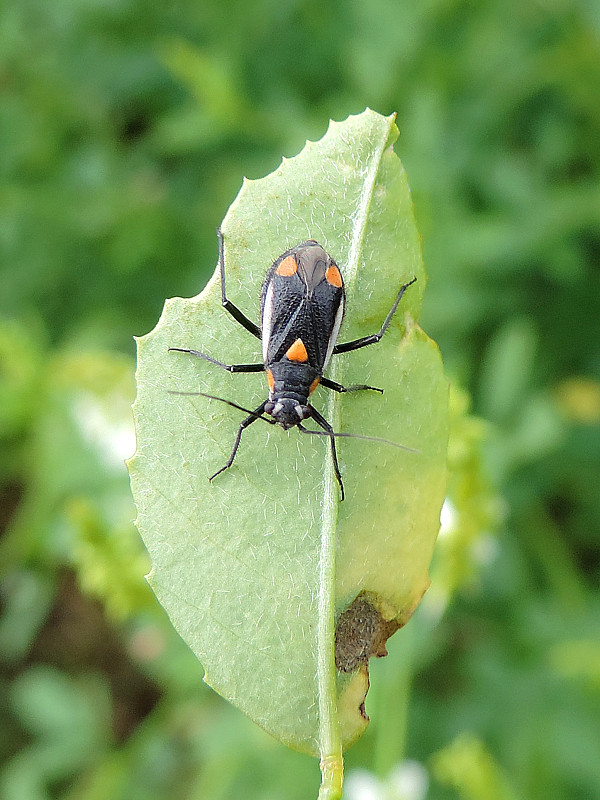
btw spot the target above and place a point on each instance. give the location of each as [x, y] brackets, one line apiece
[302, 304]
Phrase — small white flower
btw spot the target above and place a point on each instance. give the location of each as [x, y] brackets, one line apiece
[407, 781]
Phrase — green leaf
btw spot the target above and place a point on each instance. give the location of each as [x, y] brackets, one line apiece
[255, 568]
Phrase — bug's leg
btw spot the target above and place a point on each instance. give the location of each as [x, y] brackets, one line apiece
[320, 420]
[248, 421]
[337, 387]
[228, 367]
[232, 309]
[223, 400]
[355, 344]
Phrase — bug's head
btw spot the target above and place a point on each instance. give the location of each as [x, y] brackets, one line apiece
[287, 412]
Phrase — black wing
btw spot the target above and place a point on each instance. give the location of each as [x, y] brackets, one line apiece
[302, 298]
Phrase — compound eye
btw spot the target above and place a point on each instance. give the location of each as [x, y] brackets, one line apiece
[269, 407]
[302, 411]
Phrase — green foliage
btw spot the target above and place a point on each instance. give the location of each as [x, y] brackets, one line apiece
[68, 721]
[466, 765]
[125, 128]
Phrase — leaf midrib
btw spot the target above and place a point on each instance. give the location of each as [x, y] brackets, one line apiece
[329, 734]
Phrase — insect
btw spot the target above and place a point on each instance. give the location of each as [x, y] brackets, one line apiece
[302, 304]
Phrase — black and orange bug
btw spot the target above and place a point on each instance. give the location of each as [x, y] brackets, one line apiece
[302, 304]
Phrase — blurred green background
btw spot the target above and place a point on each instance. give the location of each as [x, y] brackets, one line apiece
[125, 130]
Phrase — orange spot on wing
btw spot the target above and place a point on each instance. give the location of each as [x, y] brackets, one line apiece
[270, 380]
[297, 352]
[334, 276]
[287, 267]
[314, 384]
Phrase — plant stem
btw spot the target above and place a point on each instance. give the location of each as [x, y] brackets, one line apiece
[332, 776]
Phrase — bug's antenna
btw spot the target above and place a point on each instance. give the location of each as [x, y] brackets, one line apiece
[227, 402]
[359, 436]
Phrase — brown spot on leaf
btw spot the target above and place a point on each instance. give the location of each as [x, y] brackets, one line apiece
[361, 632]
